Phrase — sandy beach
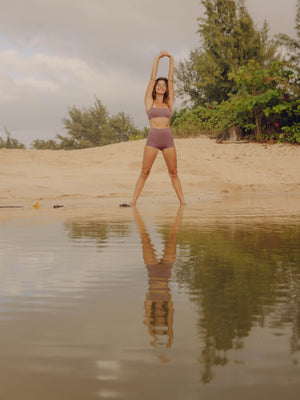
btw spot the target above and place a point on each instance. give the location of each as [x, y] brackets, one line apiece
[105, 176]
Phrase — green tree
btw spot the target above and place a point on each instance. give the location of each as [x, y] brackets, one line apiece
[123, 127]
[95, 127]
[92, 127]
[10, 142]
[228, 40]
[41, 144]
[266, 99]
[266, 104]
[292, 45]
[87, 127]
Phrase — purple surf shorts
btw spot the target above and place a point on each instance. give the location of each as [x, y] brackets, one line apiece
[160, 138]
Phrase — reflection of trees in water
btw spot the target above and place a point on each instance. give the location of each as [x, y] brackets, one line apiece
[288, 298]
[99, 231]
[239, 276]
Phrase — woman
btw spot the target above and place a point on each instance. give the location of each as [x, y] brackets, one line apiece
[159, 99]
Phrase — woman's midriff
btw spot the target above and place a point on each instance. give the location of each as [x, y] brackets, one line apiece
[159, 123]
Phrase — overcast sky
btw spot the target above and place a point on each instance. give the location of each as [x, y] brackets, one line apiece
[59, 53]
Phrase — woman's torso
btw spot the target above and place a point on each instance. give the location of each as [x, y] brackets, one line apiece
[159, 117]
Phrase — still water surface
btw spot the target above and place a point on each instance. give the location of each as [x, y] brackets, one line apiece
[140, 309]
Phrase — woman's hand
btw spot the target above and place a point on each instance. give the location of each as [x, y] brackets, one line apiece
[164, 53]
[168, 55]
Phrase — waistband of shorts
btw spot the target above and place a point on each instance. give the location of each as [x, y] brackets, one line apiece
[158, 130]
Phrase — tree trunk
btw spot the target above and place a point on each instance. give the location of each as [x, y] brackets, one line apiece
[258, 126]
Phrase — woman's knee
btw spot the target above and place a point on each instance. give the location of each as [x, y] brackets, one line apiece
[173, 173]
[145, 172]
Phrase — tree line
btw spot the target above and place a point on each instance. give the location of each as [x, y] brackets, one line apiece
[238, 76]
[92, 127]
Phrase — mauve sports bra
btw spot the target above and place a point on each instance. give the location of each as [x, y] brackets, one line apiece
[155, 112]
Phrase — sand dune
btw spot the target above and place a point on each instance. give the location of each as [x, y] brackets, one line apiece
[98, 175]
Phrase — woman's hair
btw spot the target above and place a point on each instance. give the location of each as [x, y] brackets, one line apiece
[166, 94]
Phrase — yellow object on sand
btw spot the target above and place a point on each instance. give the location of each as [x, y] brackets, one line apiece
[36, 205]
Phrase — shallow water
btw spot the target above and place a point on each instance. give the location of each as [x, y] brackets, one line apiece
[150, 307]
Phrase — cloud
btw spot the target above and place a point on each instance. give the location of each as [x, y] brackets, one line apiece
[44, 86]
[9, 90]
[104, 32]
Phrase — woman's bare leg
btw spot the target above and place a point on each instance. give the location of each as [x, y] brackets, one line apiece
[150, 154]
[148, 249]
[171, 161]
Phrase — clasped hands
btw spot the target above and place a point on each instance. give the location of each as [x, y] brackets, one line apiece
[164, 53]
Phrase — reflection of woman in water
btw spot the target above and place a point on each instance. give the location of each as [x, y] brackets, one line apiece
[158, 304]
[159, 99]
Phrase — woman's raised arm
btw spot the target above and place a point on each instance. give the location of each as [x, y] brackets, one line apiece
[148, 95]
[171, 81]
